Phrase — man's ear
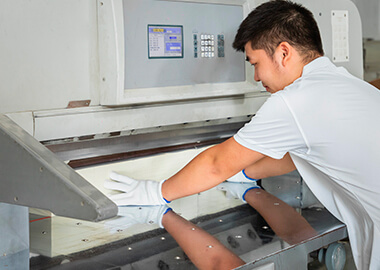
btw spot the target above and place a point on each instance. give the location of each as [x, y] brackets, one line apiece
[285, 53]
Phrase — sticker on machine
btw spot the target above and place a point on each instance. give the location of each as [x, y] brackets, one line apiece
[340, 50]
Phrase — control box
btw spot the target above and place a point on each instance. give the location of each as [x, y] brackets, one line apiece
[156, 51]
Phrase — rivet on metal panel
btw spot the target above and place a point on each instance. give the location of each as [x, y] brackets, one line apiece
[82, 203]
[163, 238]
[44, 232]
[85, 240]
[41, 169]
[129, 248]
[232, 241]
[15, 199]
[177, 257]
[78, 223]
[119, 230]
[251, 234]
[220, 220]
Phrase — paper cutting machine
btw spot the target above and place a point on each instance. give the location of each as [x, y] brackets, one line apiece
[141, 88]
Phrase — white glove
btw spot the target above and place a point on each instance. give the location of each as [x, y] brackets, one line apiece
[135, 192]
[237, 190]
[131, 215]
[241, 177]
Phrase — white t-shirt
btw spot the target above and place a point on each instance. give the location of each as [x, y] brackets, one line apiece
[329, 122]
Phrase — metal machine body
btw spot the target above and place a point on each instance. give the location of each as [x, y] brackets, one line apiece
[103, 89]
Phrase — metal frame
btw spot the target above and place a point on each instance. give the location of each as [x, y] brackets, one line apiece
[33, 176]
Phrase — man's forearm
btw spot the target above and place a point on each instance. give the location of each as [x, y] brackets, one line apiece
[209, 169]
[204, 250]
[284, 220]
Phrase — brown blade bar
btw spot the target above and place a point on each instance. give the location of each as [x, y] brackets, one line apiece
[89, 150]
[137, 154]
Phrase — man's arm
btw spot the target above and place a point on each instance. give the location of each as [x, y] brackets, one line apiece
[209, 169]
[204, 250]
[268, 167]
[205, 171]
[284, 220]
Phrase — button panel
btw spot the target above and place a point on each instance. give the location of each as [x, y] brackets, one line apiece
[195, 41]
[205, 45]
[220, 45]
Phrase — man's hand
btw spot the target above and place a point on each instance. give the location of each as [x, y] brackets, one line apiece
[132, 215]
[237, 190]
[135, 192]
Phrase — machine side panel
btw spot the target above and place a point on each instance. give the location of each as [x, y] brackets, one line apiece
[33, 176]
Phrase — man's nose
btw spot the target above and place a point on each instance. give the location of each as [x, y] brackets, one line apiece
[256, 76]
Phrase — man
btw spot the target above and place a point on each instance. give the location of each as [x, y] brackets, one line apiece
[319, 119]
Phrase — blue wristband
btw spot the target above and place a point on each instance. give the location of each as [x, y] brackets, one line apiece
[167, 210]
[245, 192]
[249, 178]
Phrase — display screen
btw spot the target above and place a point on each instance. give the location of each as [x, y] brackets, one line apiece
[165, 41]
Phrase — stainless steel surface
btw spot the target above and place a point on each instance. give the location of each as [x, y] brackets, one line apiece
[14, 237]
[33, 176]
[296, 257]
[292, 189]
[241, 229]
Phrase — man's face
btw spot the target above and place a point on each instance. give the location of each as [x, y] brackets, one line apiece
[267, 70]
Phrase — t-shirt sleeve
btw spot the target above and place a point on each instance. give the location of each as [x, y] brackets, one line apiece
[273, 131]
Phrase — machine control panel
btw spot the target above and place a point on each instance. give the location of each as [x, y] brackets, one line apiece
[165, 41]
[180, 44]
[160, 51]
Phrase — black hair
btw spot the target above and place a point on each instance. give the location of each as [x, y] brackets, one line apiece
[277, 21]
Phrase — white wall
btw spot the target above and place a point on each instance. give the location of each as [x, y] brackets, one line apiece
[48, 53]
[370, 14]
